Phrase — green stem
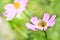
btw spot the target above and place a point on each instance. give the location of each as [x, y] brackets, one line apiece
[26, 15]
[45, 34]
[18, 29]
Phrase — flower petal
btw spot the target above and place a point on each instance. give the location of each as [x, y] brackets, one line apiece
[10, 11]
[19, 11]
[46, 17]
[52, 20]
[23, 1]
[45, 28]
[34, 20]
[16, 0]
[30, 26]
[9, 6]
[40, 28]
[10, 14]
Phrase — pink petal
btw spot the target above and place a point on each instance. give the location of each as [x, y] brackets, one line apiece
[34, 20]
[16, 0]
[19, 11]
[40, 28]
[30, 26]
[23, 1]
[10, 14]
[9, 6]
[52, 20]
[45, 28]
[46, 17]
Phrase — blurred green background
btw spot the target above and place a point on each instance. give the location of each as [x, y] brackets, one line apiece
[37, 8]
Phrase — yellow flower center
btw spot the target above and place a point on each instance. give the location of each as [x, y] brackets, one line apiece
[16, 5]
[42, 24]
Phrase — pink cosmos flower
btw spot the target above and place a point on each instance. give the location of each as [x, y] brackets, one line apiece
[15, 9]
[41, 24]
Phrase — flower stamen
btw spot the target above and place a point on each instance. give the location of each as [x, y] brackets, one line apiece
[42, 24]
[16, 5]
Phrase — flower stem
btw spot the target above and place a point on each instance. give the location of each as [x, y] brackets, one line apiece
[15, 26]
[26, 15]
[45, 34]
